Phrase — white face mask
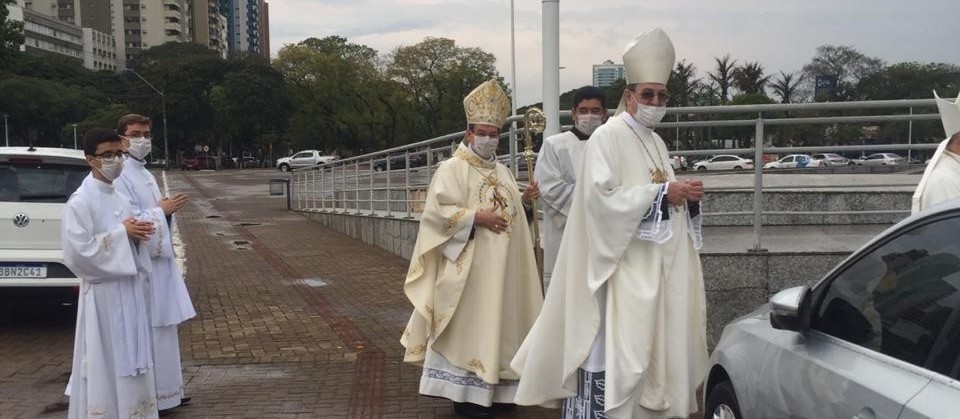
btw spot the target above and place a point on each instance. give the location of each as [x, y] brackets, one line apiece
[649, 116]
[140, 147]
[110, 169]
[588, 123]
[485, 146]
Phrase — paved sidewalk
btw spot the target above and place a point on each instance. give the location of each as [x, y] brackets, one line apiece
[294, 320]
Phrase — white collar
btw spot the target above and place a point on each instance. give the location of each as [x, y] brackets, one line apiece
[633, 124]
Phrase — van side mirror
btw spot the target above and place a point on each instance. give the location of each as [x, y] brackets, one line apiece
[786, 309]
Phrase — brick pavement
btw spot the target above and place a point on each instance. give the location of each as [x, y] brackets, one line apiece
[294, 320]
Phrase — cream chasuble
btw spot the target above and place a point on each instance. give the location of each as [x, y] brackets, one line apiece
[475, 298]
[629, 279]
[557, 165]
[112, 374]
[940, 181]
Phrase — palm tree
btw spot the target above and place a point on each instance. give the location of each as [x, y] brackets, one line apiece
[785, 86]
[683, 84]
[722, 76]
[750, 79]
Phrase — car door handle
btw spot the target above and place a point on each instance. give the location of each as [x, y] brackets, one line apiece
[865, 413]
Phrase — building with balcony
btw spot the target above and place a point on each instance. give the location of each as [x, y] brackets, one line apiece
[209, 26]
[247, 26]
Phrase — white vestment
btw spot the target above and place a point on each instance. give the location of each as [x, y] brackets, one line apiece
[627, 292]
[170, 302]
[475, 295]
[557, 165]
[112, 373]
[940, 181]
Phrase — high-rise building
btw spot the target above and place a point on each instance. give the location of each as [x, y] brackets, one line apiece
[46, 29]
[209, 26]
[150, 23]
[265, 29]
[607, 73]
[64, 10]
[42, 32]
[247, 30]
[100, 51]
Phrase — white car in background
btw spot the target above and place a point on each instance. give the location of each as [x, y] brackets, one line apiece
[832, 159]
[881, 159]
[793, 161]
[305, 158]
[724, 162]
[35, 184]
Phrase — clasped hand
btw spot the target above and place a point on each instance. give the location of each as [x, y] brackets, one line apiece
[686, 191]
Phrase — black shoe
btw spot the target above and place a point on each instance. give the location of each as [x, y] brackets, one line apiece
[185, 401]
[472, 411]
[504, 407]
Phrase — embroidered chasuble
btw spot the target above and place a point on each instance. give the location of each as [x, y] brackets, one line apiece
[475, 293]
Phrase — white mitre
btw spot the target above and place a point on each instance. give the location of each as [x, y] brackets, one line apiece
[950, 116]
[648, 58]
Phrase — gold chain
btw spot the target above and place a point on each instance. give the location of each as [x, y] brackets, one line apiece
[656, 176]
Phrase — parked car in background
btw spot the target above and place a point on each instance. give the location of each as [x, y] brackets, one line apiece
[881, 159]
[398, 162]
[303, 159]
[35, 183]
[877, 337]
[723, 162]
[190, 163]
[793, 161]
[832, 159]
[678, 163]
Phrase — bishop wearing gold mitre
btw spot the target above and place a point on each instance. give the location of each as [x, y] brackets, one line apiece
[623, 328]
[473, 278]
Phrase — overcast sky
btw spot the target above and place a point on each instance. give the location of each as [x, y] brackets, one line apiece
[781, 34]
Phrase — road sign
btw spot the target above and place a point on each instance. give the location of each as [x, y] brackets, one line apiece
[206, 148]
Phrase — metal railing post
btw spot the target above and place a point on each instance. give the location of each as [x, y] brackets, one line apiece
[356, 183]
[299, 189]
[323, 190]
[910, 136]
[371, 174]
[406, 183]
[758, 185]
[343, 188]
[313, 192]
[387, 172]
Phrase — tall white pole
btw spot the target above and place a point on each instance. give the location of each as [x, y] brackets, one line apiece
[75, 137]
[513, 89]
[551, 66]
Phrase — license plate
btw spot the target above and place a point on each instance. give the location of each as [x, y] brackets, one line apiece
[23, 270]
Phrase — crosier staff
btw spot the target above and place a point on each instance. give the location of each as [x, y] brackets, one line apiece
[533, 123]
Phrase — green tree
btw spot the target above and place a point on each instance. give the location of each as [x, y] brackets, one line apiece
[11, 33]
[186, 73]
[785, 87]
[750, 79]
[39, 109]
[683, 84]
[722, 77]
[242, 119]
[848, 65]
[439, 74]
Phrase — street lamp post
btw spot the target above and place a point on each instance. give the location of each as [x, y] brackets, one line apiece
[74, 136]
[6, 132]
[163, 110]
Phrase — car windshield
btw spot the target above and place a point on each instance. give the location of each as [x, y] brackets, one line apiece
[40, 182]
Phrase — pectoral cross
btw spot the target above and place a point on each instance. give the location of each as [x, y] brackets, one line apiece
[658, 176]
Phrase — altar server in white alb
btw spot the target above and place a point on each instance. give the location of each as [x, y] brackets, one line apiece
[558, 164]
[941, 179]
[169, 300]
[112, 374]
[623, 330]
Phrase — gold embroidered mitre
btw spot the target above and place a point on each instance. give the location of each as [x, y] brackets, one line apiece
[488, 104]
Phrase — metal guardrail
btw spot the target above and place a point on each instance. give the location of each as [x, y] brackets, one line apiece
[393, 182]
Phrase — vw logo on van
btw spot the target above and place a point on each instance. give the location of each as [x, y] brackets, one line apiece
[21, 220]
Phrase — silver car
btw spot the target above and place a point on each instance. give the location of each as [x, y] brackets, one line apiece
[877, 338]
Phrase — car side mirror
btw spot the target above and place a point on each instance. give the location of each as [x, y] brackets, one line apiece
[786, 309]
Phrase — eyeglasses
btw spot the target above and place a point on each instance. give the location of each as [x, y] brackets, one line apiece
[649, 95]
[148, 135]
[111, 155]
